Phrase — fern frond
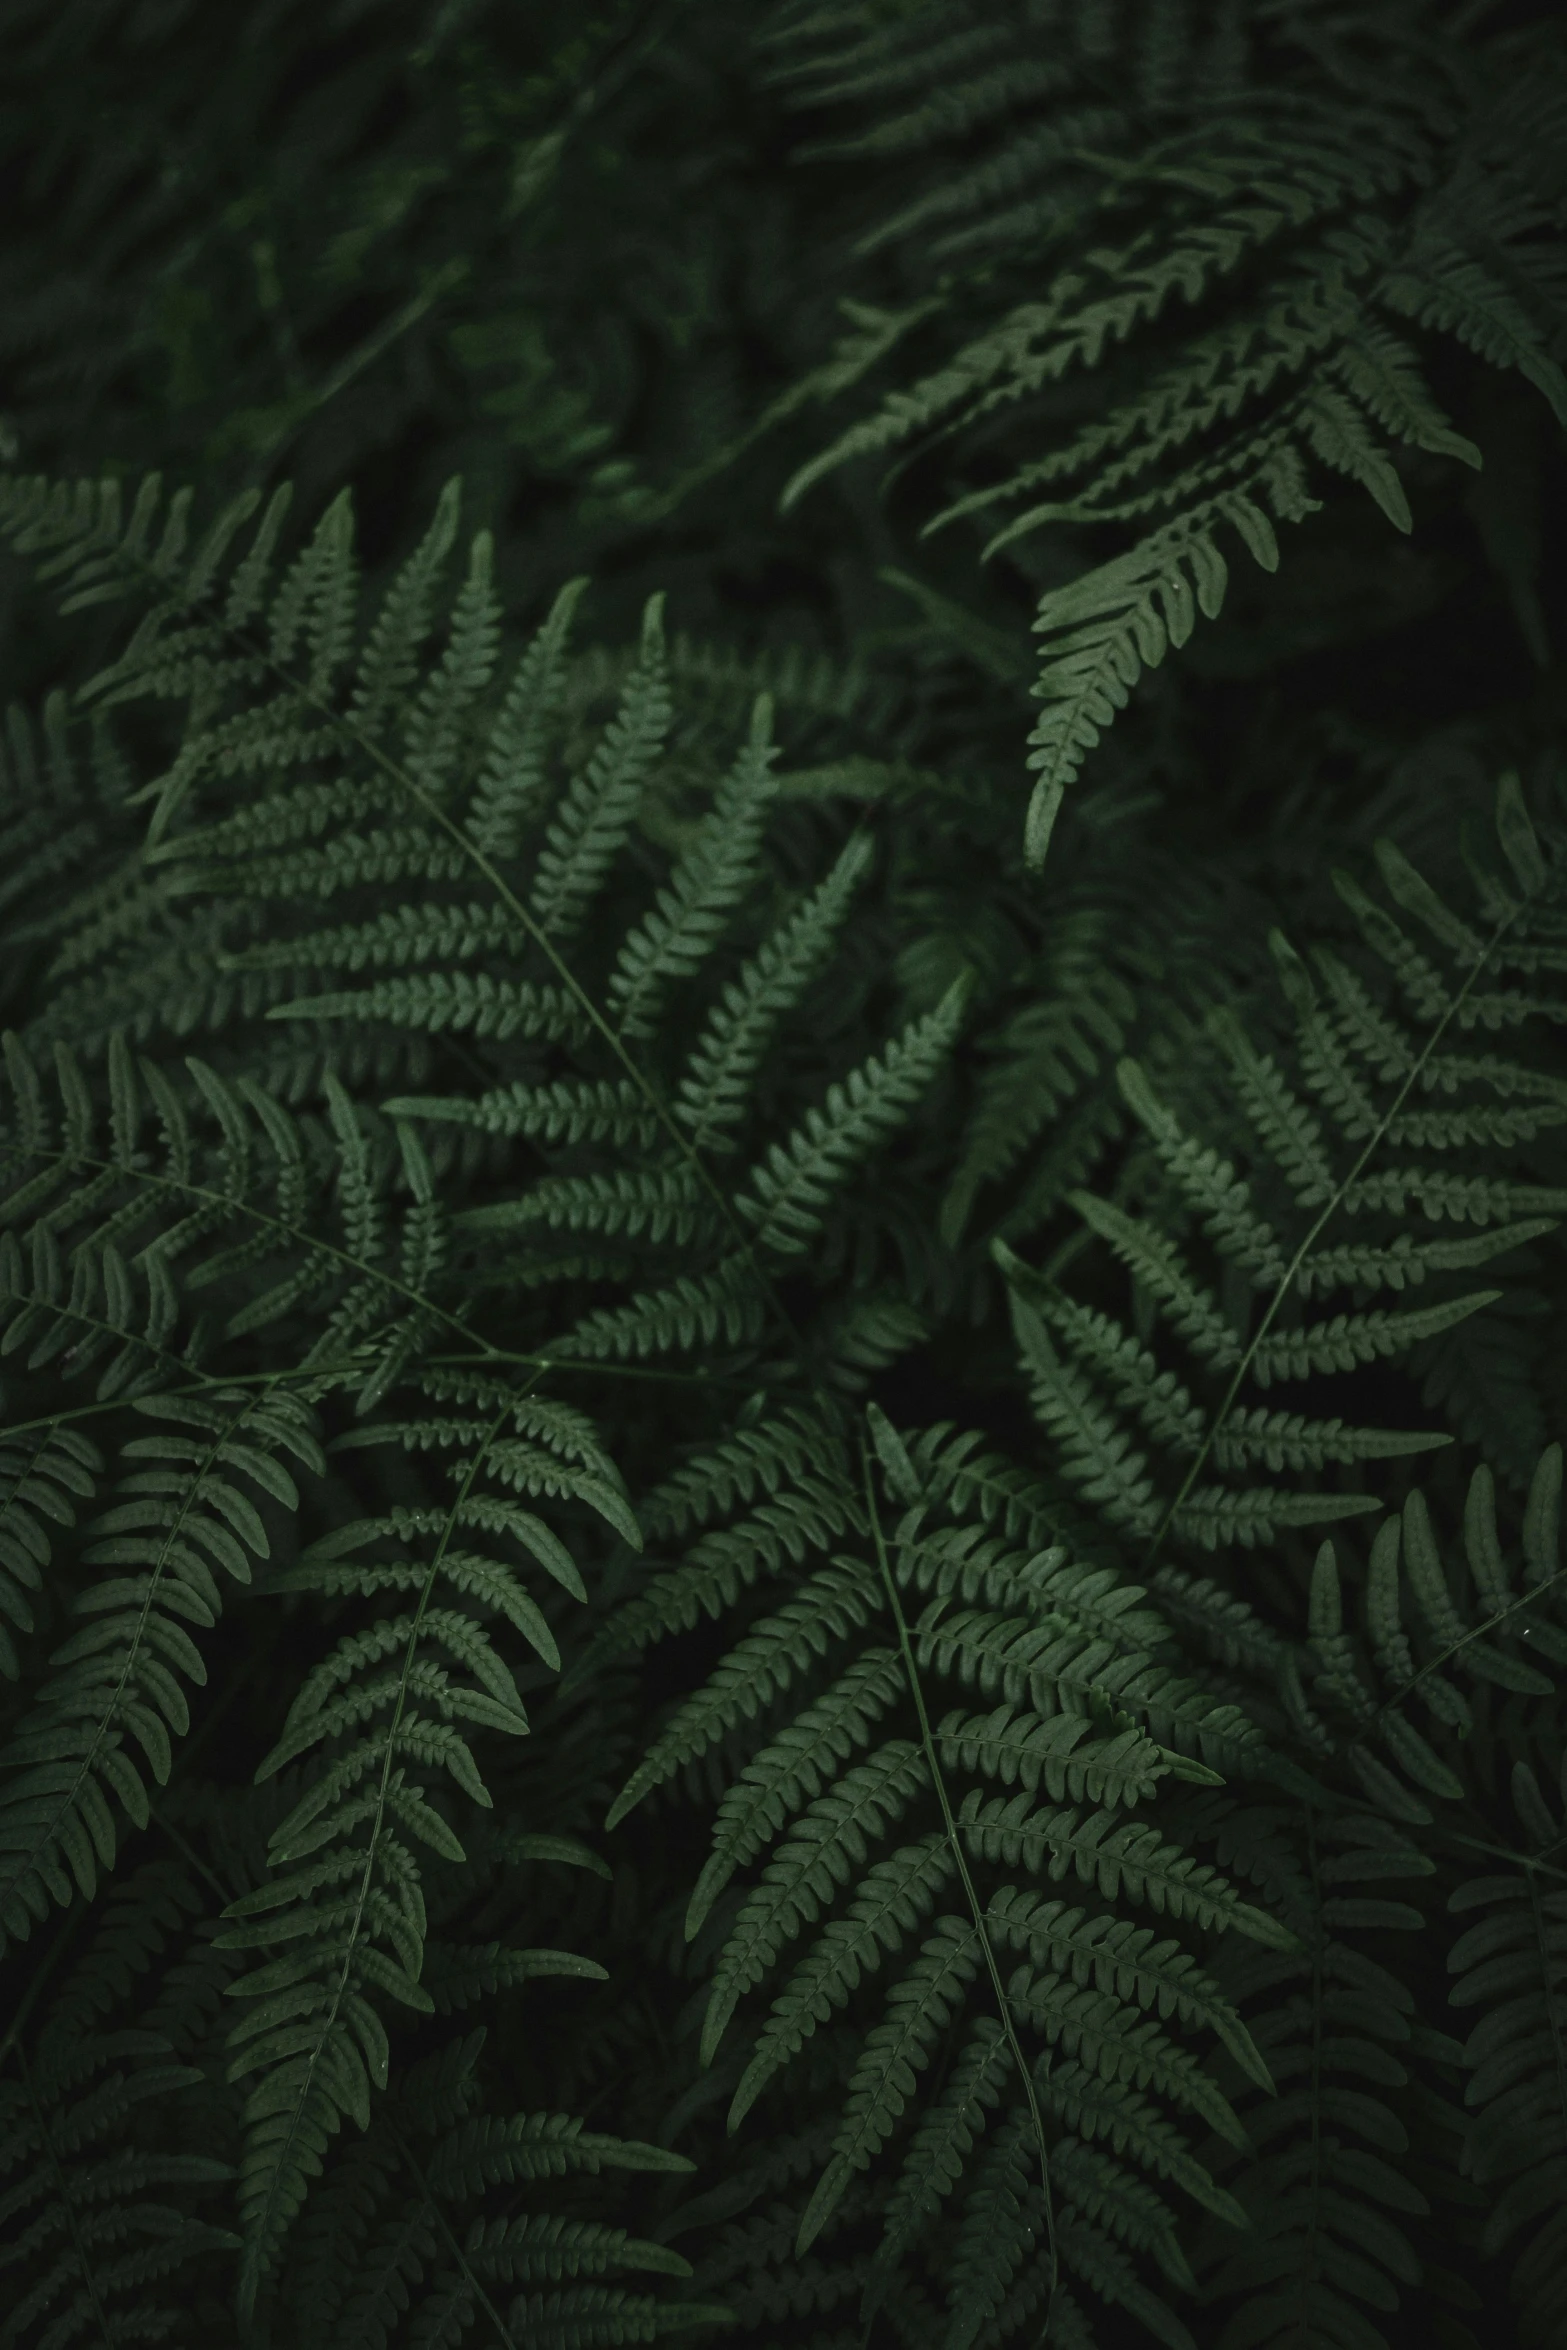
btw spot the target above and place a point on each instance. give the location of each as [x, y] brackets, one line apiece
[493, 2152]
[784, 1448]
[376, 2245]
[1040, 1060]
[572, 1110]
[689, 1309]
[1302, 207]
[1510, 1963]
[806, 1515]
[98, 2211]
[770, 1659]
[43, 1473]
[515, 777]
[1327, 2250]
[896, 2051]
[347, 1907]
[1364, 1059]
[821, 1790]
[1504, 1646]
[116, 1701]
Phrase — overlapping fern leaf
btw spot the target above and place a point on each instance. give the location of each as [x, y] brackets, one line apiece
[1510, 1964]
[455, 786]
[485, 1310]
[1446, 1699]
[1331, 2207]
[107, 1259]
[1422, 1701]
[109, 1711]
[1132, 952]
[574, 1195]
[408, 2238]
[63, 832]
[338, 1925]
[105, 2195]
[1498, 1634]
[1313, 197]
[1017, 2057]
[44, 1473]
[1354, 1155]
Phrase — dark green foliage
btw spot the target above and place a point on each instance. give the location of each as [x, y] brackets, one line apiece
[1322, 179]
[780, 1553]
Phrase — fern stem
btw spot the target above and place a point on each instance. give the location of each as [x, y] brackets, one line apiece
[498, 1354]
[46, 1966]
[502, 2333]
[250, 2278]
[84, 2267]
[1525, 1600]
[1535, 1862]
[324, 1373]
[188, 1853]
[117, 1403]
[304, 404]
[221, 1200]
[965, 1874]
[1313, 1233]
[65, 1800]
[1553, 2015]
[1309, 2264]
[485, 865]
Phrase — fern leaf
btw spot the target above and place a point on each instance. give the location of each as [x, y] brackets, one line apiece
[714, 1087]
[1446, 287]
[785, 1777]
[688, 1309]
[1097, 1453]
[116, 1701]
[389, 661]
[821, 1852]
[434, 728]
[492, 2152]
[43, 1474]
[1509, 1962]
[766, 1662]
[511, 786]
[703, 890]
[788, 1191]
[1323, 2193]
[351, 1919]
[893, 1897]
[98, 2209]
[598, 809]
[895, 2052]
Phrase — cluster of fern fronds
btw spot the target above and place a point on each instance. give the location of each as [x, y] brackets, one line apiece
[781, 1472]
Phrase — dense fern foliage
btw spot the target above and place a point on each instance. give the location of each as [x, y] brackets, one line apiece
[781, 1402]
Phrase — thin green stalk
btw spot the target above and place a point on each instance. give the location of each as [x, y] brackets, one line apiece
[965, 1874]
[454, 2248]
[84, 2267]
[1314, 1231]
